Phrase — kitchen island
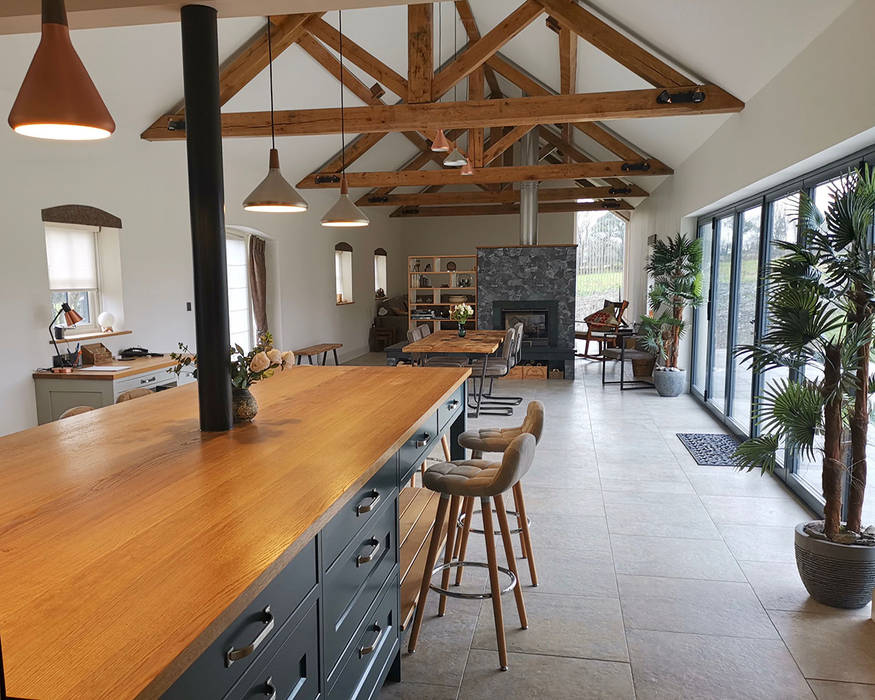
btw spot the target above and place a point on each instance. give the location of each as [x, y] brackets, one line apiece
[140, 557]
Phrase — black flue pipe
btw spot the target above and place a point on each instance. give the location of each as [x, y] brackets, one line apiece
[203, 138]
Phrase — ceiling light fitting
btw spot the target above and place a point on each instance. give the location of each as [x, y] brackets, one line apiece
[691, 96]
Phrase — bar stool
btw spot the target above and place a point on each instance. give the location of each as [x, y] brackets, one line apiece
[498, 440]
[486, 481]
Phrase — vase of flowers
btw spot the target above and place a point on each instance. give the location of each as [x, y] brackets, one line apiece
[246, 369]
[461, 313]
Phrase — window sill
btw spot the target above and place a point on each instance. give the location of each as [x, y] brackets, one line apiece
[89, 336]
[344, 303]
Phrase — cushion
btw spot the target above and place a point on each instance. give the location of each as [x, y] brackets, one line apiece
[604, 319]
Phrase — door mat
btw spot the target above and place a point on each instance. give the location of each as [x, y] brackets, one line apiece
[711, 449]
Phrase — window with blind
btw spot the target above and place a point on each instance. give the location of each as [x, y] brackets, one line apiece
[380, 282]
[71, 254]
[239, 298]
[343, 272]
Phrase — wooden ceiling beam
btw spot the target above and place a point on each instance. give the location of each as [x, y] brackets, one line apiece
[496, 209]
[567, 69]
[475, 135]
[420, 53]
[545, 194]
[477, 53]
[501, 145]
[615, 44]
[358, 56]
[250, 59]
[355, 149]
[553, 109]
[421, 178]
[463, 7]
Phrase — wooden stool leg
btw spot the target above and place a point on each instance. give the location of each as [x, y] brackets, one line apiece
[430, 559]
[448, 552]
[524, 524]
[310, 359]
[494, 584]
[511, 560]
[446, 445]
[334, 350]
[516, 507]
[463, 537]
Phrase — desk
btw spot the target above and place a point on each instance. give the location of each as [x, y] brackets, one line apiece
[55, 393]
[451, 343]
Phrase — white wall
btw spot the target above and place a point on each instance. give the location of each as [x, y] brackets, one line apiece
[819, 108]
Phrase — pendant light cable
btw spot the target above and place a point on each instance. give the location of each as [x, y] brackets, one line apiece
[270, 78]
[342, 123]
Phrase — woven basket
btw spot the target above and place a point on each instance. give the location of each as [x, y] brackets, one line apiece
[839, 575]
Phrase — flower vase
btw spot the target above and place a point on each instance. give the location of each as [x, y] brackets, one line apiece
[243, 404]
[461, 330]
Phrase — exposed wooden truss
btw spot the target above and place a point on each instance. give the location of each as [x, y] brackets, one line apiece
[556, 115]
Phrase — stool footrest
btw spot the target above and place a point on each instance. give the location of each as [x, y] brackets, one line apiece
[471, 596]
[461, 523]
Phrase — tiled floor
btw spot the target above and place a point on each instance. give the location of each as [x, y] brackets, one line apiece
[659, 578]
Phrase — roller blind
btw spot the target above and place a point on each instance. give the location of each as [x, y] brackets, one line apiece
[72, 258]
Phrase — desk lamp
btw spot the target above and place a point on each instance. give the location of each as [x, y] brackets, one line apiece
[72, 318]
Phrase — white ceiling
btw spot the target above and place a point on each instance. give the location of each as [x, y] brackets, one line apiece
[738, 44]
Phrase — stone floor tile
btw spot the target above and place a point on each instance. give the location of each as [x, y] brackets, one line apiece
[682, 666]
[674, 558]
[696, 607]
[668, 519]
[829, 647]
[743, 510]
[759, 543]
[562, 573]
[834, 690]
[722, 482]
[417, 691]
[536, 676]
[579, 627]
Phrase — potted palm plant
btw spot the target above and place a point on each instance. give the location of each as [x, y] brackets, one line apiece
[821, 299]
[675, 267]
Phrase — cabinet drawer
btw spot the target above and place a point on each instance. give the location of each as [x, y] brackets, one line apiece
[420, 444]
[352, 583]
[147, 380]
[451, 407]
[374, 646]
[293, 671]
[242, 642]
[360, 509]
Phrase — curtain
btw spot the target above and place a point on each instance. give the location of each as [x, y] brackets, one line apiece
[258, 283]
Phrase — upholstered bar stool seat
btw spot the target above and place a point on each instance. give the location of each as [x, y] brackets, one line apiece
[483, 440]
[487, 481]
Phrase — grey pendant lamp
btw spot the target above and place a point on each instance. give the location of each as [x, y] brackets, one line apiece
[274, 194]
[344, 213]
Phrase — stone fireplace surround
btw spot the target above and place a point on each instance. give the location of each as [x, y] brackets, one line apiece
[510, 275]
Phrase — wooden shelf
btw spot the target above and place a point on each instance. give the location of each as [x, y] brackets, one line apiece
[90, 336]
[416, 294]
[418, 507]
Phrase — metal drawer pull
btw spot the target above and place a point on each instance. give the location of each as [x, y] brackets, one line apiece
[148, 381]
[452, 404]
[269, 689]
[374, 495]
[422, 443]
[370, 555]
[235, 654]
[364, 651]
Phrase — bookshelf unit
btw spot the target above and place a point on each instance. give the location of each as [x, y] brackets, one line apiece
[430, 287]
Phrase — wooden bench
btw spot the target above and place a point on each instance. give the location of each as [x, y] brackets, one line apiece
[322, 348]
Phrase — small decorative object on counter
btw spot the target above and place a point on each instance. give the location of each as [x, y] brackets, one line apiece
[246, 368]
[106, 321]
[461, 313]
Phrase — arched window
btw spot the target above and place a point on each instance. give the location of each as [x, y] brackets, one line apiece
[380, 282]
[343, 272]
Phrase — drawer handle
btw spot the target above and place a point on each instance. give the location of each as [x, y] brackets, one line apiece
[368, 507]
[364, 559]
[269, 689]
[422, 443]
[364, 651]
[148, 381]
[452, 404]
[235, 654]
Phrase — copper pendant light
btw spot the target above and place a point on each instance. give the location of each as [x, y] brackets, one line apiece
[440, 143]
[274, 194]
[57, 99]
[467, 168]
[344, 213]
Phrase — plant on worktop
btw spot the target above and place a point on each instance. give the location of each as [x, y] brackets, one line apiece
[821, 300]
[461, 313]
[246, 369]
[675, 268]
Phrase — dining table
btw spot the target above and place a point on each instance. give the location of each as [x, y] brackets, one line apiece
[474, 342]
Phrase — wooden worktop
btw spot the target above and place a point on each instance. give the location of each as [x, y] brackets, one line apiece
[474, 342]
[136, 365]
[129, 539]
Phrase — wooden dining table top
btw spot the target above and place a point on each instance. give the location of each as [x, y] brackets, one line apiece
[474, 342]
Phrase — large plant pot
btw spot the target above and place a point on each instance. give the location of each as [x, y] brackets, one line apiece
[669, 382]
[839, 575]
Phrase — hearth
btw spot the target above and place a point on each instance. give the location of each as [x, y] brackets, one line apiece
[538, 316]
